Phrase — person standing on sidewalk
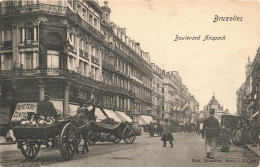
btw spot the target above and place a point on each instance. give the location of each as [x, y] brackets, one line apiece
[167, 133]
[211, 131]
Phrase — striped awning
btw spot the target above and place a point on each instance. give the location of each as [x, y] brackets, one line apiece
[112, 114]
[123, 116]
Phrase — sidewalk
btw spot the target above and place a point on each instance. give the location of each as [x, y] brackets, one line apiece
[254, 150]
[3, 141]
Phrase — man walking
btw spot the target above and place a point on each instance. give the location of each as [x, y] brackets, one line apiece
[211, 131]
[167, 133]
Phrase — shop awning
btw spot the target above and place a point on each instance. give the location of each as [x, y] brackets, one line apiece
[147, 119]
[124, 116]
[22, 109]
[99, 114]
[142, 122]
[112, 114]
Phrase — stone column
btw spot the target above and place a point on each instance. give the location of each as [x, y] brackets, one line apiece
[35, 34]
[66, 100]
[34, 60]
[2, 61]
[22, 60]
[41, 87]
[3, 36]
[23, 35]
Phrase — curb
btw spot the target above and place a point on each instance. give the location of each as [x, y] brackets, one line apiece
[7, 143]
[253, 151]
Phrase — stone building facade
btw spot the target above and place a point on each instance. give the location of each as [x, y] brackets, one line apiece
[157, 91]
[70, 49]
[244, 99]
[178, 103]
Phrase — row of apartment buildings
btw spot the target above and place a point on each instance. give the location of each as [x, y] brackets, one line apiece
[70, 49]
[248, 94]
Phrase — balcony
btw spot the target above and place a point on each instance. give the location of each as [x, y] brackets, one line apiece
[94, 60]
[28, 42]
[108, 66]
[8, 44]
[36, 8]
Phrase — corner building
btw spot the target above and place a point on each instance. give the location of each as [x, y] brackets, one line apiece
[69, 48]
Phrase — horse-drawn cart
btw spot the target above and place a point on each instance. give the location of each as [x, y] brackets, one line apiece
[66, 133]
[111, 132]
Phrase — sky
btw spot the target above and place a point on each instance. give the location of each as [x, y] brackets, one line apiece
[205, 66]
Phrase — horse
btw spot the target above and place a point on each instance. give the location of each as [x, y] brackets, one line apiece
[86, 118]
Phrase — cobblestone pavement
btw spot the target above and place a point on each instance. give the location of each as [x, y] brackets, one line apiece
[188, 150]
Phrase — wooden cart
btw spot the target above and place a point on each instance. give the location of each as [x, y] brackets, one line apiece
[29, 138]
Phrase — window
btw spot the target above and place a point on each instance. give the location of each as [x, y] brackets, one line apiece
[84, 13]
[8, 32]
[52, 59]
[29, 34]
[85, 69]
[95, 23]
[90, 19]
[29, 60]
[8, 62]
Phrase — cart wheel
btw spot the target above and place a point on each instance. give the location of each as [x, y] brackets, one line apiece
[68, 141]
[117, 140]
[30, 149]
[92, 138]
[129, 135]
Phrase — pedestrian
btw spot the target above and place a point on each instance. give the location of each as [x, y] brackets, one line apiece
[211, 131]
[167, 133]
[45, 107]
[151, 129]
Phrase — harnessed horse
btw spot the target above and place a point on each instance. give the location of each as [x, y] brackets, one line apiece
[86, 118]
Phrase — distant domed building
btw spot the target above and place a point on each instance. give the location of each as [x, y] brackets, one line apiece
[213, 104]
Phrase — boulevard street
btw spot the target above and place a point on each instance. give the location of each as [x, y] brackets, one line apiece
[188, 150]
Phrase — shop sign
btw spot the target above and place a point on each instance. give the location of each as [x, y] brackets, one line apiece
[22, 110]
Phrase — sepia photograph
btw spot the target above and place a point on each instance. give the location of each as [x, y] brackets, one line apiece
[130, 83]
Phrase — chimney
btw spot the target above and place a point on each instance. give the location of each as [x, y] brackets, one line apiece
[163, 72]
